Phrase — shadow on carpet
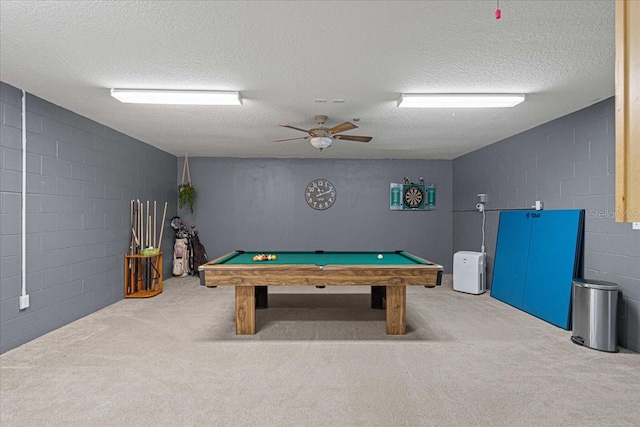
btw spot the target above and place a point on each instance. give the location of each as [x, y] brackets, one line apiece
[336, 317]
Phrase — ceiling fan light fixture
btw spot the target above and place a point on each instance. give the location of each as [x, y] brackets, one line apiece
[177, 97]
[321, 142]
[459, 100]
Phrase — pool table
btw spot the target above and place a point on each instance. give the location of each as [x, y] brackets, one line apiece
[388, 278]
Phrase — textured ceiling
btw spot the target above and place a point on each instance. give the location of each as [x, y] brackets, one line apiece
[282, 56]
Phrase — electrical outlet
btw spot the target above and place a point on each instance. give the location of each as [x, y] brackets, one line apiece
[635, 226]
[24, 302]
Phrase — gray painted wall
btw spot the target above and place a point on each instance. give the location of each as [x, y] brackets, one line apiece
[568, 164]
[81, 176]
[259, 204]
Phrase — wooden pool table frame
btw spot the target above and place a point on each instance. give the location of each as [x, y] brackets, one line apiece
[388, 284]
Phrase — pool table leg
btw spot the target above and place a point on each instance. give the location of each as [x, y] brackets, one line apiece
[245, 310]
[396, 310]
[262, 297]
[377, 297]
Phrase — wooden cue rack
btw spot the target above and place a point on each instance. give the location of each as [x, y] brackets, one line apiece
[142, 275]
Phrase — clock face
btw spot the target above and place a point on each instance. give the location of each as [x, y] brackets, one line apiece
[320, 194]
[413, 197]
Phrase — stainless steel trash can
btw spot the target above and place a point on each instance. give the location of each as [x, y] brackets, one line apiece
[594, 314]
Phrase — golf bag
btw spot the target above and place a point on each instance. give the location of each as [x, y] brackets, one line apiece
[181, 257]
[188, 252]
[198, 253]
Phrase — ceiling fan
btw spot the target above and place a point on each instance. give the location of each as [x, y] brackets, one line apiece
[322, 137]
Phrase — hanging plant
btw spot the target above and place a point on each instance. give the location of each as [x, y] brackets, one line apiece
[186, 196]
[186, 191]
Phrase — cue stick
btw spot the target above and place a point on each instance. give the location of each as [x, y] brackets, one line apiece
[149, 236]
[146, 245]
[133, 268]
[138, 236]
[164, 215]
[140, 277]
[150, 263]
[147, 219]
[145, 224]
[154, 223]
[131, 224]
[136, 206]
[134, 227]
[141, 225]
[141, 231]
[146, 227]
[134, 236]
[138, 223]
[146, 260]
[128, 290]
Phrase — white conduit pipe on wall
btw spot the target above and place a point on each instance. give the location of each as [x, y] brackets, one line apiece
[24, 298]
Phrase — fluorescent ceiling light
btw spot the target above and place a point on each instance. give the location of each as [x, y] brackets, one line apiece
[177, 97]
[459, 100]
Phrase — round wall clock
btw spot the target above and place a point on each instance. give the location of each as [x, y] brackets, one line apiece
[320, 194]
[413, 197]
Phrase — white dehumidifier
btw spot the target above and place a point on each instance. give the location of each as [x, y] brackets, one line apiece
[468, 272]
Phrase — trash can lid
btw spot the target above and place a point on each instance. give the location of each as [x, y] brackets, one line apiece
[596, 284]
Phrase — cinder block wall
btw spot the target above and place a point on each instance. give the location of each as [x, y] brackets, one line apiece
[567, 164]
[81, 176]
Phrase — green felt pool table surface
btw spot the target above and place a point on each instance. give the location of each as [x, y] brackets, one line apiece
[325, 258]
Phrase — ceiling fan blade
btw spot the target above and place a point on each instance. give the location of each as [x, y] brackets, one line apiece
[295, 128]
[354, 138]
[291, 139]
[341, 128]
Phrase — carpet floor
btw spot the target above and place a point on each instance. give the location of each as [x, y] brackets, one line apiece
[320, 358]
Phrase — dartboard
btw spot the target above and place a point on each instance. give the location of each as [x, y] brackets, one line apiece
[413, 197]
